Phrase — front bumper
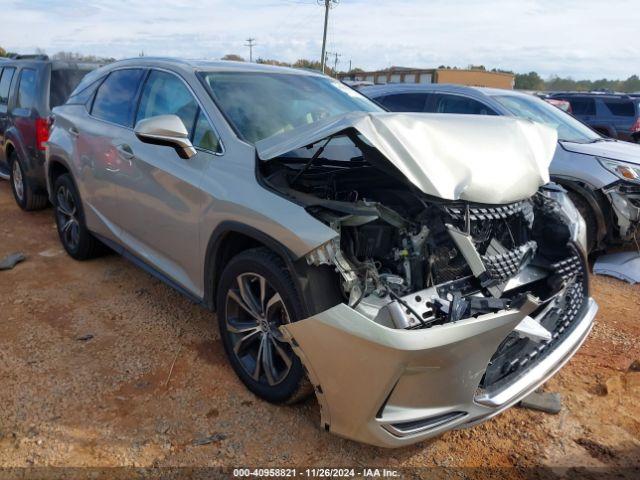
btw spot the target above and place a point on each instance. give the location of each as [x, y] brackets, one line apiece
[390, 387]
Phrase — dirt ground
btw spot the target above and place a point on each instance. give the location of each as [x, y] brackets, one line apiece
[102, 365]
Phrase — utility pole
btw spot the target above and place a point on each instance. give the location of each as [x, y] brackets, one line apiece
[336, 56]
[251, 42]
[328, 4]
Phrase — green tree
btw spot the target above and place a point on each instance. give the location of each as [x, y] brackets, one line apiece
[233, 57]
[529, 81]
[3, 52]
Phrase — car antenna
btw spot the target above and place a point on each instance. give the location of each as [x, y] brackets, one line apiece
[311, 160]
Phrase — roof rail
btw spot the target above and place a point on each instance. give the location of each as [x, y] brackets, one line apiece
[34, 56]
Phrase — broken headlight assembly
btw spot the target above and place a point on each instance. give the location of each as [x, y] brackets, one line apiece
[572, 216]
[622, 170]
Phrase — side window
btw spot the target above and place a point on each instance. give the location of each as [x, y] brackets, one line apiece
[115, 99]
[5, 83]
[27, 89]
[84, 95]
[462, 105]
[166, 94]
[582, 105]
[620, 107]
[405, 102]
[203, 134]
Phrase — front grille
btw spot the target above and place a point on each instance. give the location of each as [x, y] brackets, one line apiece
[515, 355]
[503, 266]
[568, 268]
[478, 213]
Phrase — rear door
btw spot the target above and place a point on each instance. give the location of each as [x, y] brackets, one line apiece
[6, 78]
[24, 113]
[102, 154]
[161, 198]
[621, 113]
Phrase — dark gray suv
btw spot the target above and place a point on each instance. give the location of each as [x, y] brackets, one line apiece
[30, 86]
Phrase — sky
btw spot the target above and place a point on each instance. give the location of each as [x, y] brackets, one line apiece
[587, 39]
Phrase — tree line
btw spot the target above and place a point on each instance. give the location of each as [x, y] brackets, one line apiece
[523, 81]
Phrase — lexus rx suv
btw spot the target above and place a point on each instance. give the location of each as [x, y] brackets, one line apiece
[30, 86]
[417, 272]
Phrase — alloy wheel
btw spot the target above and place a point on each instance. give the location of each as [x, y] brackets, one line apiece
[254, 311]
[67, 213]
[18, 185]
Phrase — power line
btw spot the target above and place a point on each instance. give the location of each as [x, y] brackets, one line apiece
[328, 5]
[251, 42]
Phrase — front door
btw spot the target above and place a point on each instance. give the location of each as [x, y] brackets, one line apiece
[163, 197]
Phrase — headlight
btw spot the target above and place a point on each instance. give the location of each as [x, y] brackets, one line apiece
[573, 219]
[623, 170]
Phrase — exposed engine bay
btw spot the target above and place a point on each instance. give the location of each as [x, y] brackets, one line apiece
[408, 260]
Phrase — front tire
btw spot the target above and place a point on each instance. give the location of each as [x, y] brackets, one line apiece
[24, 195]
[255, 296]
[72, 230]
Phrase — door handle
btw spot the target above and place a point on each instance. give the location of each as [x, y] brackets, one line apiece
[125, 152]
[74, 132]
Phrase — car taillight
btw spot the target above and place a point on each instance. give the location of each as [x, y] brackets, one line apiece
[636, 126]
[42, 132]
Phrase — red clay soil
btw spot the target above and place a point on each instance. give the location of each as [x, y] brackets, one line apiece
[86, 349]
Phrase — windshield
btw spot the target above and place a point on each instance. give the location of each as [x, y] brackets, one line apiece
[569, 129]
[260, 105]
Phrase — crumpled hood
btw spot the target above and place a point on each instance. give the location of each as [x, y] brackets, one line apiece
[478, 158]
[612, 149]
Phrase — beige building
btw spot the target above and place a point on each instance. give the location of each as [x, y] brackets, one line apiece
[476, 78]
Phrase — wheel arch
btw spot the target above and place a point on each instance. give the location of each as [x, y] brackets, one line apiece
[231, 238]
[56, 166]
[590, 196]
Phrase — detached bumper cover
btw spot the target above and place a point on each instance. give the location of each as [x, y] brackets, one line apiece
[391, 387]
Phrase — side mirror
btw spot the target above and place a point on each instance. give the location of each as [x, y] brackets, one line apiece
[166, 130]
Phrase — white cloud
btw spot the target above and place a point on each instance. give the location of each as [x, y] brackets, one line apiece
[565, 37]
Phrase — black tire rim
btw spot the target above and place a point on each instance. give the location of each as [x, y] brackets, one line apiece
[67, 216]
[254, 311]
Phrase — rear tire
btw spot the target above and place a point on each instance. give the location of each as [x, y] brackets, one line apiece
[589, 219]
[24, 195]
[255, 295]
[76, 239]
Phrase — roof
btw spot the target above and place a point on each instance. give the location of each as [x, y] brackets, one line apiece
[213, 65]
[379, 90]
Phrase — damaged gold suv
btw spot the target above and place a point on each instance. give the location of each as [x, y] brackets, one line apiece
[416, 271]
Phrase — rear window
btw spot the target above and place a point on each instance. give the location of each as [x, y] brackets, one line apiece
[63, 82]
[5, 83]
[620, 107]
[446, 103]
[115, 99]
[582, 105]
[27, 89]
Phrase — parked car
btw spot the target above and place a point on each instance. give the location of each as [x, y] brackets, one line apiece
[30, 86]
[613, 115]
[415, 269]
[602, 175]
[563, 105]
